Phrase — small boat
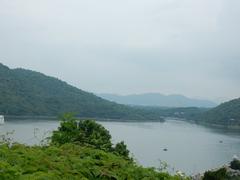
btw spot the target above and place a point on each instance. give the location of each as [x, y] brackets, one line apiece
[165, 149]
[1, 119]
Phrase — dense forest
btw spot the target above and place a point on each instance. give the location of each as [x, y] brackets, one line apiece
[226, 114]
[29, 93]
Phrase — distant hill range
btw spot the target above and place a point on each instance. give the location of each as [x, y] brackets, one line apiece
[28, 93]
[156, 99]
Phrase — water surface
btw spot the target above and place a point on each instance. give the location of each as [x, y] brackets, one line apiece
[191, 148]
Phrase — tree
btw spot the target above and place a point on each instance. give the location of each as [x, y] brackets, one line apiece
[83, 132]
[235, 164]
[121, 149]
[86, 133]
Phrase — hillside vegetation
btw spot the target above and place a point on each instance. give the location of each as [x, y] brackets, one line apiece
[69, 161]
[25, 92]
[226, 114]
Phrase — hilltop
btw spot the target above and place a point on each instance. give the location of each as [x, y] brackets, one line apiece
[25, 92]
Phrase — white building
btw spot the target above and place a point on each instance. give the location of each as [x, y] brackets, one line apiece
[1, 119]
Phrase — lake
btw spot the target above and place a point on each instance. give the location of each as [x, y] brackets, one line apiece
[190, 148]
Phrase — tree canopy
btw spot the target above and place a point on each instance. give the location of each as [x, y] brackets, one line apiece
[86, 133]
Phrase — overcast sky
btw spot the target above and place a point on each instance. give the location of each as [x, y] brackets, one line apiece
[189, 47]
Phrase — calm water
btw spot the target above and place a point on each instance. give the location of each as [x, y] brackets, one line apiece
[191, 148]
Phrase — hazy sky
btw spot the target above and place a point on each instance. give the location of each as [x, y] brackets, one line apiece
[189, 47]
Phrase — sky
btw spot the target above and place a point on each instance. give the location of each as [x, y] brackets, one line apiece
[183, 47]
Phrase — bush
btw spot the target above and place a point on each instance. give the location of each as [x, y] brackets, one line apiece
[83, 132]
[8, 171]
[86, 133]
[70, 161]
[121, 149]
[220, 174]
[235, 164]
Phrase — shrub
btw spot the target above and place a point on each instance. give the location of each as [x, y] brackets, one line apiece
[83, 132]
[121, 149]
[71, 161]
[220, 174]
[8, 172]
[86, 133]
[235, 164]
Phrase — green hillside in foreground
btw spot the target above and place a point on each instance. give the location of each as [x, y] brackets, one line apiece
[69, 161]
[226, 114]
[25, 92]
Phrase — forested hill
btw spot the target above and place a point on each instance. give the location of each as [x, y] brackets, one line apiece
[25, 92]
[227, 114]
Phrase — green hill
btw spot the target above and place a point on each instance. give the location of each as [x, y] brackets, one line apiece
[29, 93]
[226, 114]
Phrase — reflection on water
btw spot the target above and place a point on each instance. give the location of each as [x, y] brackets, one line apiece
[190, 148]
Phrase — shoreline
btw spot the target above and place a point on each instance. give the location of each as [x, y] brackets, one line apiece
[55, 118]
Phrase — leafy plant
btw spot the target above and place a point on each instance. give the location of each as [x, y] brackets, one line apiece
[83, 132]
[235, 164]
[70, 161]
[220, 174]
[121, 149]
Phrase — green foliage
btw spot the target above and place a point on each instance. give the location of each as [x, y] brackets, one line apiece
[86, 133]
[235, 164]
[83, 132]
[121, 149]
[220, 174]
[70, 161]
[8, 171]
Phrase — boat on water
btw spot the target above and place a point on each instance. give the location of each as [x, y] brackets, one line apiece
[1, 119]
